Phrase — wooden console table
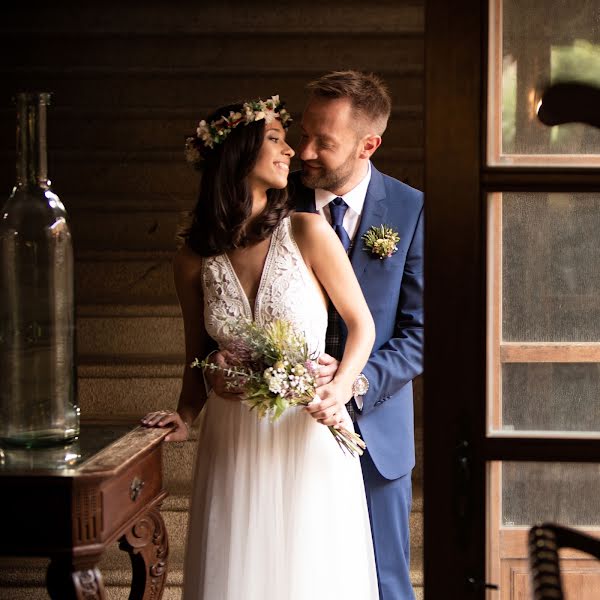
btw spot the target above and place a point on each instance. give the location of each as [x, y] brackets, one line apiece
[70, 503]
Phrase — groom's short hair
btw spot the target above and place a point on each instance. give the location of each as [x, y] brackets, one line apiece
[367, 92]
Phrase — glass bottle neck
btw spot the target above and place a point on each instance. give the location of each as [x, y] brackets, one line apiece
[32, 164]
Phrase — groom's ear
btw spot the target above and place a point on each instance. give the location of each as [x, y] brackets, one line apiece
[368, 145]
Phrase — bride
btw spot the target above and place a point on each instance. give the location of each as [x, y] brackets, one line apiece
[278, 511]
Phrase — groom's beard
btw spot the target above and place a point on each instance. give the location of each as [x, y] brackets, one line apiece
[329, 179]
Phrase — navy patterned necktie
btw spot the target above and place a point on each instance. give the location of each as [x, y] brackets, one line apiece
[337, 208]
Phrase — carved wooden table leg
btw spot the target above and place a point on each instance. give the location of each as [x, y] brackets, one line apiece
[148, 547]
[68, 581]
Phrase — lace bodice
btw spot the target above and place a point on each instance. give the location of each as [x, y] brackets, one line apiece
[286, 291]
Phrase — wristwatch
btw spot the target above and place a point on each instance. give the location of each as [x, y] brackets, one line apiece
[360, 386]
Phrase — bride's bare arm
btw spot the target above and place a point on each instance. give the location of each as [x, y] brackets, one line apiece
[327, 260]
[187, 268]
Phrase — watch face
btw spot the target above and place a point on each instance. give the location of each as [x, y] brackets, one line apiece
[361, 385]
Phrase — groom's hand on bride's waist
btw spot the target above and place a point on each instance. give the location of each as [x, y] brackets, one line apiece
[224, 386]
[328, 367]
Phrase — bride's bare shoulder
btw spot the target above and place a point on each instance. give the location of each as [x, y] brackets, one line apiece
[308, 226]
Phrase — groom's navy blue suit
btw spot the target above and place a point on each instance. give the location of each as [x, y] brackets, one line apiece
[393, 288]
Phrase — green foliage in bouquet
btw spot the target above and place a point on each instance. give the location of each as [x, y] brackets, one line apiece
[273, 365]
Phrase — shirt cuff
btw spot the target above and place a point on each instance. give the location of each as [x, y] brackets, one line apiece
[359, 402]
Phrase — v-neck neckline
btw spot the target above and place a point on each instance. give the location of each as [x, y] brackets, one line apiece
[251, 308]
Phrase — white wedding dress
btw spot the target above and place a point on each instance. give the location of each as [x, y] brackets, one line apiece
[278, 511]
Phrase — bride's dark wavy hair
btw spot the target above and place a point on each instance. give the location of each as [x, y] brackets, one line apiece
[224, 200]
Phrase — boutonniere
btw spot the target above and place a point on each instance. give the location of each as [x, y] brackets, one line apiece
[381, 241]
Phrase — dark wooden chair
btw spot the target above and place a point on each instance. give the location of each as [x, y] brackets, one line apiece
[545, 540]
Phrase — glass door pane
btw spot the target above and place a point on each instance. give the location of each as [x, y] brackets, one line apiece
[544, 314]
[533, 493]
[533, 44]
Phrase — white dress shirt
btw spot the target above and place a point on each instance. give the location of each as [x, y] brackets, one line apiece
[355, 199]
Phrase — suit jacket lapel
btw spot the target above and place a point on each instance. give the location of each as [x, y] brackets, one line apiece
[373, 213]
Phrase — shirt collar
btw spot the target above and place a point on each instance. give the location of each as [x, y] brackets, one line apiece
[355, 198]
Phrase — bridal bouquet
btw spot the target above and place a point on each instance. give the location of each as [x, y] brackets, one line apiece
[273, 365]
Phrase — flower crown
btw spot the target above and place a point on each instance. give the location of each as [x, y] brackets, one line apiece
[215, 132]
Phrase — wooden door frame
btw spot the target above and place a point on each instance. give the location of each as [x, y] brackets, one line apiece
[454, 299]
[457, 182]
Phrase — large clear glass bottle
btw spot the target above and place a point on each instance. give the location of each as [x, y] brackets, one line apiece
[38, 399]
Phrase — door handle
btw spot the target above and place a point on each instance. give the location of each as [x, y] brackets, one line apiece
[478, 584]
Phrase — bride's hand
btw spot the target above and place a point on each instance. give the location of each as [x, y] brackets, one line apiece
[164, 418]
[329, 407]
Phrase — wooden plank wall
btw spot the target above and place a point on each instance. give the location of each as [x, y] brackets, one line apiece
[130, 82]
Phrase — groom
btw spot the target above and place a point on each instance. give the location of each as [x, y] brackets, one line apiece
[342, 124]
